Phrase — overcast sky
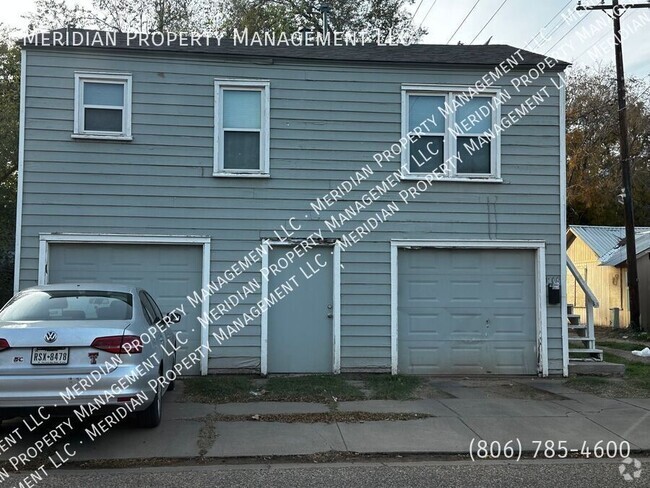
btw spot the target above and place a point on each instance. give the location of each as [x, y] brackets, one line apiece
[516, 24]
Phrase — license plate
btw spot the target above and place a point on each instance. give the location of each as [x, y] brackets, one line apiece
[50, 355]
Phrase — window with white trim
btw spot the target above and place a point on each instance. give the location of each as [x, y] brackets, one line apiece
[450, 133]
[241, 128]
[102, 106]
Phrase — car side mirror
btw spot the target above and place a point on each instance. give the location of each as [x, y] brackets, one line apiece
[175, 317]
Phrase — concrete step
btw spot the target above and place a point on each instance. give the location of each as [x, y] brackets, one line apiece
[596, 368]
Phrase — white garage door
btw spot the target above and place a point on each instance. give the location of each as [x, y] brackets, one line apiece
[168, 272]
[466, 311]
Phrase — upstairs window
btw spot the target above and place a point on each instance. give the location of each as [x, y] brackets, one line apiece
[427, 152]
[472, 134]
[450, 134]
[102, 106]
[241, 128]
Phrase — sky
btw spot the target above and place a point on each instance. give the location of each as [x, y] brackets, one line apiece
[584, 39]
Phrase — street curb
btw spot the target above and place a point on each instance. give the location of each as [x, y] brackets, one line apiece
[327, 457]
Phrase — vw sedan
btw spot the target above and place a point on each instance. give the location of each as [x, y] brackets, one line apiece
[63, 346]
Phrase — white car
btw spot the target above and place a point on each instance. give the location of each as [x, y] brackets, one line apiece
[71, 345]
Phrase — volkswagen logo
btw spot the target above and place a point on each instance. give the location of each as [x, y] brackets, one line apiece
[50, 337]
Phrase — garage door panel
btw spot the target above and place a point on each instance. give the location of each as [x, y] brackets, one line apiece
[483, 300]
[168, 272]
[509, 291]
[464, 292]
[462, 324]
[465, 359]
[421, 358]
[120, 258]
[508, 326]
[420, 292]
[509, 359]
[419, 324]
[469, 262]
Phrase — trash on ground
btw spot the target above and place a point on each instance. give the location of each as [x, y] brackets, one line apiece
[644, 353]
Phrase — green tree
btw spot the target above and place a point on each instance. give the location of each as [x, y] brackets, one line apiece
[226, 15]
[125, 15]
[53, 14]
[593, 166]
[256, 16]
[292, 15]
[9, 119]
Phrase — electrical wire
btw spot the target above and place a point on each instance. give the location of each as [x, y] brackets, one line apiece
[417, 9]
[606, 34]
[463, 22]
[590, 47]
[427, 14]
[489, 20]
[549, 23]
[568, 32]
[547, 37]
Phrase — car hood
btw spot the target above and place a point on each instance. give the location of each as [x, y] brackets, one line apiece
[68, 333]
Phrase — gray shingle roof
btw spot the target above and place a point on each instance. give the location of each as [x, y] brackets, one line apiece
[415, 54]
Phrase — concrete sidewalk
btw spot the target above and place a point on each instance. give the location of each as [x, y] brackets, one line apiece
[580, 420]
[192, 430]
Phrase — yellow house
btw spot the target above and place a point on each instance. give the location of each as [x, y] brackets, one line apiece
[595, 251]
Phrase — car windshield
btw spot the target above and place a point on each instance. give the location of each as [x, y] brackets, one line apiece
[69, 305]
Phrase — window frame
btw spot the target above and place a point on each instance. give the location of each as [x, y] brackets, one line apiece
[264, 87]
[80, 132]
[146, 305]
[450, 143]
[154, 305]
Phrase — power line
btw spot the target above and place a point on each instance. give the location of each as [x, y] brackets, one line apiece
[489, 20]
[417, 9]
[549, 23]
[644, 91]
[593, 44]
[618, 11]
[427, 14]
[589, 48]
[463, 22]
[548, 37]
[554, 29]
[567, 33]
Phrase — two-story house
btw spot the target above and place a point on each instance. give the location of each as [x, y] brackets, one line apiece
[309, 209]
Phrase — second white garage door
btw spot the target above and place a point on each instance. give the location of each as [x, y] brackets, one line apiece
[466, 311]
[168, 272]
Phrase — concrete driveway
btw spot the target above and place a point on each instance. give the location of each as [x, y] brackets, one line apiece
[449, 426]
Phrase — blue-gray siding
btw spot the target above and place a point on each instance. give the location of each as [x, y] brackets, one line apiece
[326, 122]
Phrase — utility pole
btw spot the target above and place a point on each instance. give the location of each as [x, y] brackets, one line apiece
[630, 240]
[325, 10]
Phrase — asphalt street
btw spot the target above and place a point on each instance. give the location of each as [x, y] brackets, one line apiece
[487, 474]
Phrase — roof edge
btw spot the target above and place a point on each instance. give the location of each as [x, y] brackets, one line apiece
[363, 53]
